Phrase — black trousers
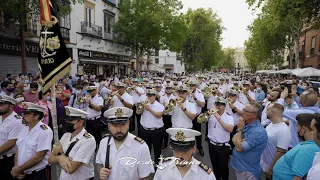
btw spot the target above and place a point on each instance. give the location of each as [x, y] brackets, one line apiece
[138, 116]
[44, 174]
[219, 156]
[153, 138]
[167, 124]
[6, 165]
[197, 127]
[132, 126]
[234, 132]
[94, 128]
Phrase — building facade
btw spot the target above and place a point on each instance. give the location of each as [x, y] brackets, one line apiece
[241, 64]
[89, 36]
[309, 48]
[166, 61]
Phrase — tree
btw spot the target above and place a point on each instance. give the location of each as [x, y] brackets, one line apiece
[202, 48]
[150, 24]
[227, 59]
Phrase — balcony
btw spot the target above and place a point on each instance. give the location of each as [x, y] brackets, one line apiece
[65, 32]
[91, 30]
[108, 36]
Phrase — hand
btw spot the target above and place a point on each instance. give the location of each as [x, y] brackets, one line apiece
[147, 108]
[217, 116]
[240, 124]
[269, 173]
[284, 93]
[118, 95]
[15, 171]
[21, 176]
[231, 106]
[193, 95]
[245, 92]
[57, 148]
[65, 163]
[181, 105]
[105, 173]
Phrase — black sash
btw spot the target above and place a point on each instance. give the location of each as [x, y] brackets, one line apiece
[107, 163]
[70, 147]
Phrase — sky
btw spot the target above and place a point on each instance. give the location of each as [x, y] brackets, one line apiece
[235, 17]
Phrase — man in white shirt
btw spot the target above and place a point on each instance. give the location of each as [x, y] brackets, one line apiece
[75, 151]
[183, 166]
[114, 157]
[34, 145]
[185, 111]
[165, 99]
[197, 98]
[314, 172]
[152, 127]
[274, 96]
[220, 125]
[10, 127]
[279, 139]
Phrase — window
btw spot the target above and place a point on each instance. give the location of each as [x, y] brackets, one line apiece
[88, 16]
[313, 42]
[89, 13]
[108, 22]
[65, 26]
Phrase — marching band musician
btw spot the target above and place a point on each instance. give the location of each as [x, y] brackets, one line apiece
[220, 126]
[75, 150]
[222, 88]
[202, 84]
[76, 100]
[152, 127]
[183, 165]
[121, 98]
[34, 145]
[185, 111]
[159, 91]
[10, 127]
[114, 150]
[93, 108]
[233, 95]
[165, 99]
[136, 92]
[246, 95]
[198, 99]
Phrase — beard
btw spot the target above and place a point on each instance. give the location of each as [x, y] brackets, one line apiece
[2, 112]
[119, 136]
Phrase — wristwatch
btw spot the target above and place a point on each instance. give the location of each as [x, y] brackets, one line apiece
[195, 99]
[184, 109]
[59, 154]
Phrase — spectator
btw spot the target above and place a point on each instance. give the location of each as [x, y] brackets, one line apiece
[61, 113]
[314, 172]
[290, 103]
[45, 102]
[7, 88]
[66, 94]
[18, 95]
[8, 77]
[260, 94]
[296, 163]
[32, 94]
[249, 142]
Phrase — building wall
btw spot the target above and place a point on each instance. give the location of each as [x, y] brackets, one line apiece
[306, 56]
[240, 61]
[167, 62]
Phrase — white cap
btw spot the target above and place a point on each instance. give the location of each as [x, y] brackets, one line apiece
[74, 112]
[120, 84]
[6, 98]
[28, 106]
[118, 114]
[151, 91]
[91, 88]
[221, 100]
[183, 134]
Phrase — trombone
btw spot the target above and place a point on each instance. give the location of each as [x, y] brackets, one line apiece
[203, 117]
[172, 103]
[141, 105]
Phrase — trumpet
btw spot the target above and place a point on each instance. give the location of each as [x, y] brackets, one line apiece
[229, 100]
[207, 93]
[190, 91]
[141, 105]
[80, 100]
[110, 96]
[172, 103]
[203, 117]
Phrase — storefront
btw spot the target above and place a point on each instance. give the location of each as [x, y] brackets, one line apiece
[10, 56]
[102, 63]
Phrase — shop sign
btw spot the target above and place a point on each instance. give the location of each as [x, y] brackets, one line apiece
[84, 53]
[13, 47]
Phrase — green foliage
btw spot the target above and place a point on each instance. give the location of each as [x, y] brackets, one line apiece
[150, 24]
[227, 59]
[202, 49]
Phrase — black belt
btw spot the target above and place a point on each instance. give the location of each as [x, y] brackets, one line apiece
[35, 171]
[92, 119]
[6, 156]
[219, 144]
[151, 129]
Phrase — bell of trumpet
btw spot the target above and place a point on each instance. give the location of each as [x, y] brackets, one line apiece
[190, 91]
[110, 96]
[203, 117]
[140, 106]
[129, 89]
[172, 103]
[206, 94]
[80, 100]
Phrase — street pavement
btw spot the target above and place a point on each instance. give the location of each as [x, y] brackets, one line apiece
[168, 153]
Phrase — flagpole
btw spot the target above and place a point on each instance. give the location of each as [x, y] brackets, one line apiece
[54, 122]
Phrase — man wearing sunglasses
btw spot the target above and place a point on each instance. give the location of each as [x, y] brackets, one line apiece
[75, 151]
[34, 145]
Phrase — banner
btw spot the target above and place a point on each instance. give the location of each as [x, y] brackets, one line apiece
[54, 60]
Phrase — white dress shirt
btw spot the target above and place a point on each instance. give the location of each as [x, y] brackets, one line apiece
[235, 116]
[10, 129]
[165, 100]
[123, 166]
[180, 119]
[115, 102]
[216, 133]
[211, 101]
[200, 98]
[31, 142]
[135, 95]
[148, 120]
[314, 172]
[98, 101]
[82, 151]
[171, 172]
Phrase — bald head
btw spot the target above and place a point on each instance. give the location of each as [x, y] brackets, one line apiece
[308, 99]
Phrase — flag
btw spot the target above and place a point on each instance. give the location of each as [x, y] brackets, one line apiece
[53, 60]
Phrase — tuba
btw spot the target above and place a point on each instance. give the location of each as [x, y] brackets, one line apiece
[141, 105]
[203, 117]
[172, 103]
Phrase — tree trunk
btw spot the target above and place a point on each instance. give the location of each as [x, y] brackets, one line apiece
[22, 41]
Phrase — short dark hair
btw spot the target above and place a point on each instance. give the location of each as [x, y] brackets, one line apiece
[305, 119]
[5, 84]
[257, 109]
[34, 85]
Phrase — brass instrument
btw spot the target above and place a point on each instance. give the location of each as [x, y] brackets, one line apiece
[203, 117]
[141, 105]
[80, 100]
[110, 96]
[190, 91]
[207, 93]
[172, 103]
[229, 100]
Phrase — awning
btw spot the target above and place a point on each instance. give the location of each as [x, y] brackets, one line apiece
[97, 61]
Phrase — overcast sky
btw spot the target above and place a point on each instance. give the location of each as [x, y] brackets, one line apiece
[235, 17]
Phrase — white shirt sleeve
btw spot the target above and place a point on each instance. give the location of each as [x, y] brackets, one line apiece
[191, 107]
[229, 120]
[144, 170]
[44, 140]
[85, 151]
[284, 139]
[15, 129]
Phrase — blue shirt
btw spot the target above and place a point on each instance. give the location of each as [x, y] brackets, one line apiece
[256, 140]
[260, 96]
[296, 162]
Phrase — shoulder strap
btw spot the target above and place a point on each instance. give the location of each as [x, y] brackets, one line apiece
[107, 163]
[70, 147]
